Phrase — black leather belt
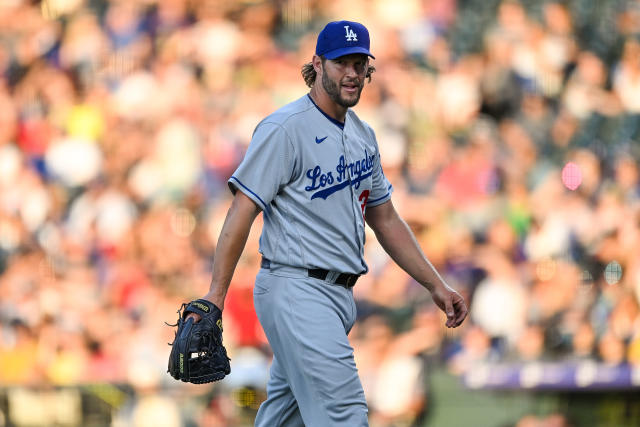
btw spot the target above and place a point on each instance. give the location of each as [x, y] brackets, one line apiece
[343, 279]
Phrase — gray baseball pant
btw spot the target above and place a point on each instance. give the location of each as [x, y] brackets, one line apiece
[313, 378]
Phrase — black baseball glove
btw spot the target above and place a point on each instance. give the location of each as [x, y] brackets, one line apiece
[197, 353]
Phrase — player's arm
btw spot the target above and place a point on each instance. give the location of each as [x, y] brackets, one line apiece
[231, 243]
[398, 241]
[203, 337]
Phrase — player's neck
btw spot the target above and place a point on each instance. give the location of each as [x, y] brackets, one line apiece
[326, 104]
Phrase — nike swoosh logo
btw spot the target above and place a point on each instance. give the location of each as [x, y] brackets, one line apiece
[319, 140]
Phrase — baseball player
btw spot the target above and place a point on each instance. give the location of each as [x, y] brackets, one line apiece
[313, 169]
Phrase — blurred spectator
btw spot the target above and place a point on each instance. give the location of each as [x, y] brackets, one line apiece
[551, 420]
[499, 289]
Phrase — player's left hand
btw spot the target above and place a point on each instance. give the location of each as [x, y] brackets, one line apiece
[452, 303]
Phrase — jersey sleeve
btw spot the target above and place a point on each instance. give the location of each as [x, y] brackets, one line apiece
[381, 188]
[267, 166]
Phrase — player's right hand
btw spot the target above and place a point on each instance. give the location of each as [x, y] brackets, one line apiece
[202, 339]
[194, 316]
[212, 299]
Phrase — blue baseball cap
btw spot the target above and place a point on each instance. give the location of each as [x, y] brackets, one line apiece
[341, 38]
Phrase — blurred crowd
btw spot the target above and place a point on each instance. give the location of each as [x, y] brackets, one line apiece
[509, 129]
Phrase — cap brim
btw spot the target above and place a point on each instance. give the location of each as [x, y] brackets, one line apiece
[347, 51]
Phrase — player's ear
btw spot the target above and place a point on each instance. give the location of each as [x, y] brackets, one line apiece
[317, 63]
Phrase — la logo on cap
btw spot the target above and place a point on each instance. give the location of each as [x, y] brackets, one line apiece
[351, 36]
[340, 38]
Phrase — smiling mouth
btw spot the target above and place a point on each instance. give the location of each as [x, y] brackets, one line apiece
[350, 88]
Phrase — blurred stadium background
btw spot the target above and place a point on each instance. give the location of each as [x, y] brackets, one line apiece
[509, 129]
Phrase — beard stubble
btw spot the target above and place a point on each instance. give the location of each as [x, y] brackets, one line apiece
[333, 90]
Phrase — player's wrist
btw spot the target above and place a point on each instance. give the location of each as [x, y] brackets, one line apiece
[428, 285]
[216, 299]
[434, 286]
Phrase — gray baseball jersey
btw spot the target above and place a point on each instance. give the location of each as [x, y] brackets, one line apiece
[313, 177]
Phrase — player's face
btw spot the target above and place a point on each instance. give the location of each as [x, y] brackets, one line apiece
[343, 78]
